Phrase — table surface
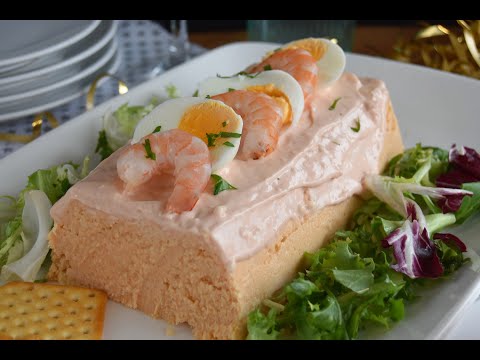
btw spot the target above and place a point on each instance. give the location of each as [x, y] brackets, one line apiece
[369, 39]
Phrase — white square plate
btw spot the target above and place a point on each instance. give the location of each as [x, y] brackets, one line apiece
[433, 107]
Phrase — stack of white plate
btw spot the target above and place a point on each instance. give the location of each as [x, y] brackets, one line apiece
[46, 63]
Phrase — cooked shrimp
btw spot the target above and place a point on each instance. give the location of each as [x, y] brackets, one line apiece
[297, 62]
[262, 121]
[175, 149]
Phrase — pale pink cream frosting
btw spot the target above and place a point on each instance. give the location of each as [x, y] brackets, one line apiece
[319, 162]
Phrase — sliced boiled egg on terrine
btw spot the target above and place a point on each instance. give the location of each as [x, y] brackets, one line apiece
[210, 120]
[278, 84]
[329, 56]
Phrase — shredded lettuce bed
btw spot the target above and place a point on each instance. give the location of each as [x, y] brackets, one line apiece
[25, 221]
[368, 273]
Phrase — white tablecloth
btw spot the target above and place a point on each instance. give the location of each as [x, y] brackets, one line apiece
[142, 44]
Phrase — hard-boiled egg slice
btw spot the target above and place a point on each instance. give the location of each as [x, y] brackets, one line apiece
[276, 83]
[329, 56]
[199, 117]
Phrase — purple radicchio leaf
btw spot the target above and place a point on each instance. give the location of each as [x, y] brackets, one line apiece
[455, 178]
[450, 238]
[413, 250]
[466, 159]
[391, 191]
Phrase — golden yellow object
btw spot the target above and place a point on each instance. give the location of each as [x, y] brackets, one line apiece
[452, 49]
[122, 89]
[38, 119]
[36, 129]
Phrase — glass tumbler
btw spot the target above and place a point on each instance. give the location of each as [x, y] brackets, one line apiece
[282, 31]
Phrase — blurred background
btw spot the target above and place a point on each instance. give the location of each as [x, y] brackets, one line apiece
[51, 66]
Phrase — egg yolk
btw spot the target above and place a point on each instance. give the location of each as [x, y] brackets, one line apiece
[278, 96]
[209, 117]
[314, 46]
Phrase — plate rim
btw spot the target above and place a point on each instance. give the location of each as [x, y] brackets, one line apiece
[62, 44]
[65, 82]
[116, 58]
[82, 55]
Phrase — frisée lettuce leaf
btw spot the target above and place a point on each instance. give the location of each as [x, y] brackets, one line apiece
[119, 126]
[371, 270]
[25, 220]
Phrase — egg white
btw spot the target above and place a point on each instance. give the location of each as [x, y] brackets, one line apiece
[331, 65]
[169, 114]
[280, 79]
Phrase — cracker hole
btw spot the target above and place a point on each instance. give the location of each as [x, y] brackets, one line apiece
[85, 331]
[91, 295]
[51, 327]
[61, 291]
[73, 312]
[67, 336]
[58, 303]
[89, 307]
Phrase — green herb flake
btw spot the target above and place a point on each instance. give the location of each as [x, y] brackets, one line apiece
[231, 89]
[208, 97]
[195, 94]
[243, 73]
[148, 150]
[225, 123]
[220, 184]
[224, 134]
[172, 91]
[103, 147]
[267, 67]
[211, 138]
[228, 143]
[334, 104]
[157, 129]
[357, 127]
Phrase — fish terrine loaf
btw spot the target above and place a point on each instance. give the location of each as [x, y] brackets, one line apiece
[209, 267]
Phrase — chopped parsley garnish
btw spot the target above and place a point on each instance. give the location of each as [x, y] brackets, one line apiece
[157, 129]
[231, 89]
[220, 184]
[208, 97]
[225, 123]
[224, 134]
[267, 67]
[357, 127]
[195, 94]
[211, 138]
[103, 147]
[172, 91]
[148, 150]
[240, 73]
[228, 143]
[334, 104]
[277, 49]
